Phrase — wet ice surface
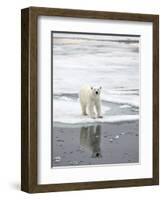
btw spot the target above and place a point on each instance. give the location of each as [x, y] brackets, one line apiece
[107, 143]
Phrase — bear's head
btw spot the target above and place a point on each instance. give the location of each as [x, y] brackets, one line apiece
[96, 91]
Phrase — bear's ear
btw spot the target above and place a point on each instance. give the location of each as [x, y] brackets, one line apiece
[100, 88]
[91, 88]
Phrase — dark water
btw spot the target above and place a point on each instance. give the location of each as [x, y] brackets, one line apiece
[106, 143]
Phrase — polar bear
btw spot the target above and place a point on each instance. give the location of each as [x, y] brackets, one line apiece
[90, 100]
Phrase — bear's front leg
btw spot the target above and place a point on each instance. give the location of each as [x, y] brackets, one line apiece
[91, 111]
[98, 109]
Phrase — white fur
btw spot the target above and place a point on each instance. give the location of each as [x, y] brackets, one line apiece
[90, 101]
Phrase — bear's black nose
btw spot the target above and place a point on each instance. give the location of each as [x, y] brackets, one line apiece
[96, 92]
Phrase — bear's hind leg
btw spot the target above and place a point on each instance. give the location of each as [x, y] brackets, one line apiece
[83, 107]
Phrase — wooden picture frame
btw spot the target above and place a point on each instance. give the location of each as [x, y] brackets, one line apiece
[29, 110]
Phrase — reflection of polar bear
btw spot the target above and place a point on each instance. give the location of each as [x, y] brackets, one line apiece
[90, 99]
[90, 139]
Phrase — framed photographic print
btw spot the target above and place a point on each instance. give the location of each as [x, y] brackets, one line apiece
[90, 99]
